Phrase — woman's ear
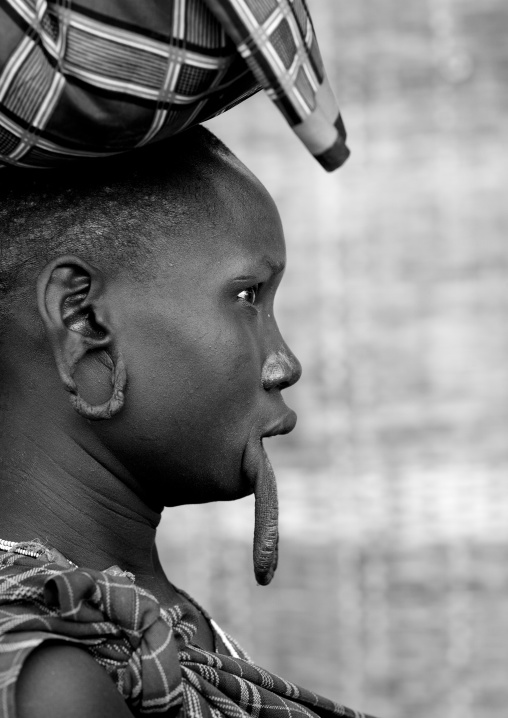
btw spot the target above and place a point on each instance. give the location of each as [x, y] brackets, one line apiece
[70, 302]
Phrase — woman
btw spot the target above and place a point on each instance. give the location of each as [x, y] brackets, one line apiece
[143, 290]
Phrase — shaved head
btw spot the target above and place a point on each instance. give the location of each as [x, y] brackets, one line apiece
[106, 211]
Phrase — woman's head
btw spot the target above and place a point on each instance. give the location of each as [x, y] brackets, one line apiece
[170, 259]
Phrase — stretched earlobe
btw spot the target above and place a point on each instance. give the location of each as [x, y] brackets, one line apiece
[68, 293]
[115, 402]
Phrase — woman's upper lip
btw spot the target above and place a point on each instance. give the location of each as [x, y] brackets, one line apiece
[282, 426]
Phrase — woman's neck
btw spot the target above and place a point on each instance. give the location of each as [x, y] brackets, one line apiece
[73, 496]
[68, 496]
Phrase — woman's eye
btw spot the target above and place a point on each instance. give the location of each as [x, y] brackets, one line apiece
[249, 295]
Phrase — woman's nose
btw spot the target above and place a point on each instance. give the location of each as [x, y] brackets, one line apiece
[280, 370]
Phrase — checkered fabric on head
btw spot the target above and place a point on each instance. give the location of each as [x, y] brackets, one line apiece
[95, 77]
[147, 650]
[277, 40]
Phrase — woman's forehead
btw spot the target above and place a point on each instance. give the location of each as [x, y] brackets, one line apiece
[247, 239]
[235, 218]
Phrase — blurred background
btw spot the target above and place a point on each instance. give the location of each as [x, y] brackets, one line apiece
[392, 590]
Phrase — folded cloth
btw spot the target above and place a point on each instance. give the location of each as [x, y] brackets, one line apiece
[95, 77]
[147, 650]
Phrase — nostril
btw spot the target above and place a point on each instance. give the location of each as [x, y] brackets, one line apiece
[280, 371]
[273, 375]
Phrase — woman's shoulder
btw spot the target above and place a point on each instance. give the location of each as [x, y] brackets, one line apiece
[68, 633]
[64, 680]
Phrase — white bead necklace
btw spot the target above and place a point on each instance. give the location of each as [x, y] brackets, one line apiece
[19, 547]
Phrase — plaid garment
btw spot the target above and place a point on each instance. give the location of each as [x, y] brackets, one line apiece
[147, 650]
[95, 77]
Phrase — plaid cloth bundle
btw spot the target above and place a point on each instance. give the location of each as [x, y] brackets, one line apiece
[89, 78]
[147, 650]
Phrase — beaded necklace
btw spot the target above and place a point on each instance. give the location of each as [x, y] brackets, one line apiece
[35, 549]
[20, 547]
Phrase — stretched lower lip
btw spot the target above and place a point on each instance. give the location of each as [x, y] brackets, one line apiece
[258, 470]
[282, 426]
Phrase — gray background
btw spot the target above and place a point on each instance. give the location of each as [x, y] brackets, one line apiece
[392, 591]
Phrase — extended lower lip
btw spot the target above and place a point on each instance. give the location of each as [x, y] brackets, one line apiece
[283, 426]
[258, 470]
[254, 455]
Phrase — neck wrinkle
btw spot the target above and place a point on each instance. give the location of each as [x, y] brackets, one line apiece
[56, 490]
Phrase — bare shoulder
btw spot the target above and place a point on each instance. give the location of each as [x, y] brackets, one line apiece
[65, 682]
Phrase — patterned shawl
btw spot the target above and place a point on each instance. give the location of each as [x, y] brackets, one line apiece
[84, 78]
[147, 650]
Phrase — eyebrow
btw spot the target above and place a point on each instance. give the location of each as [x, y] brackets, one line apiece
[275, 267]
